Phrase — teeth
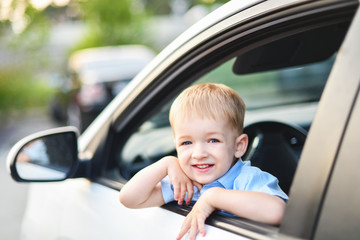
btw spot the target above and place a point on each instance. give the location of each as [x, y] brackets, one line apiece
[203, 166]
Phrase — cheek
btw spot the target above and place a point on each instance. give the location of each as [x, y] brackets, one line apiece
[183, 164]
[230, 154]
[180, 155]
[225, 150]
[183, 151]
[183, 159]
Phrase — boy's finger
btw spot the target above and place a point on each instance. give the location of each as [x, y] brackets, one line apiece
[193, 229]
[190, 193]
[182, 194]
[198, 185]
[176, 192]
[201, 226]
[184, 229]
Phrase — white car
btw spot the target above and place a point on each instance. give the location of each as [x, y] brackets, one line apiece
[96, 76]
[297, 66]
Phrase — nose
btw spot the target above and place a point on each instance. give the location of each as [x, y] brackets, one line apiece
[199, 151]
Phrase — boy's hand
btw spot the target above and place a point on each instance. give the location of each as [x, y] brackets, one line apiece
[183, 185]
[195, 220]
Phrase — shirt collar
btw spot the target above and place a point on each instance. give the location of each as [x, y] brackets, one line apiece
[228, 178]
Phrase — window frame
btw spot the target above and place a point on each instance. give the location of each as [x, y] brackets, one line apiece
[317, 160]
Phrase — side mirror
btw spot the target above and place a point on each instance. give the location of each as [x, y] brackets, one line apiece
[50, 155]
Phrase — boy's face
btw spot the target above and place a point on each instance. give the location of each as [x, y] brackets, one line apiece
[206, 147]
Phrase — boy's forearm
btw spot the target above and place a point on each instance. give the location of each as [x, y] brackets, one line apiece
[143, 190]
[256, 206]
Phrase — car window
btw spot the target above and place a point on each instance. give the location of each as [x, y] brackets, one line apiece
[265, 92]
[279, 78]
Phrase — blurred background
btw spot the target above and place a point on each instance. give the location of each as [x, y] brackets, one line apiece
[47, 79]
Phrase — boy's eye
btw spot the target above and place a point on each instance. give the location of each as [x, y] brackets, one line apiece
[186, 143]
[214, 140]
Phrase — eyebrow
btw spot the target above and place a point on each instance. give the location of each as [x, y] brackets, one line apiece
[214, 133]
[207, 134]
[183, 137]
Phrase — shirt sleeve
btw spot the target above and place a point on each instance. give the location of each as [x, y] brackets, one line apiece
[259, 181]
[167, 190]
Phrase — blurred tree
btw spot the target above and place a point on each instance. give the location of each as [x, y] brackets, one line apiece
[24, 32]
[109, 22]
[31, 27]
[25, 27]
[112, 22]
[122, 21]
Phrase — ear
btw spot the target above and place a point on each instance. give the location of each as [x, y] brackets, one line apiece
[241, 145]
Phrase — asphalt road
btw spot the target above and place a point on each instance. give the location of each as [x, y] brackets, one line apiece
[13, 195]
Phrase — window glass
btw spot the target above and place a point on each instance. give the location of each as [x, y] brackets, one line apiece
[152, 141]
[275, 88]
[285, 88]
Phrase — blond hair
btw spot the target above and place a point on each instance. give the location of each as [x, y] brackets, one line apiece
[210, 100]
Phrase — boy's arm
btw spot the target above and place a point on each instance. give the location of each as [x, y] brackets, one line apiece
[257, 206]
[144, 189]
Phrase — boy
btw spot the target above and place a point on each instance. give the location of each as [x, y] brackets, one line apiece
[207, 123]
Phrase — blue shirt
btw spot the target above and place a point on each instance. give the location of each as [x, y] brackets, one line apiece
[242, 176]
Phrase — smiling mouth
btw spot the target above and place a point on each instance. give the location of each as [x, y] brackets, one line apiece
[203, 166]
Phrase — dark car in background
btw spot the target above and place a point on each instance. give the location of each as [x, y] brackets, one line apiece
[96, 76]
[296, 63]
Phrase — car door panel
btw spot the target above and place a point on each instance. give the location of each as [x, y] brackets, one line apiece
[81, 209]
[343, 186]
[343, 191]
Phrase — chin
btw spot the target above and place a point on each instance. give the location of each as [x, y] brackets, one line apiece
[204, 181]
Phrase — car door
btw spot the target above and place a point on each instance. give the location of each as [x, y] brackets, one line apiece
[186, 74]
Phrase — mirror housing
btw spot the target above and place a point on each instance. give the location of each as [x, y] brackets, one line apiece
[46, 156]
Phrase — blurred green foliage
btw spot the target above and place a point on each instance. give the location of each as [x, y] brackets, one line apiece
[24, 58]
[108, 22]
[117, 22]
[35, 35]
[112, 23]
[20, 90]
